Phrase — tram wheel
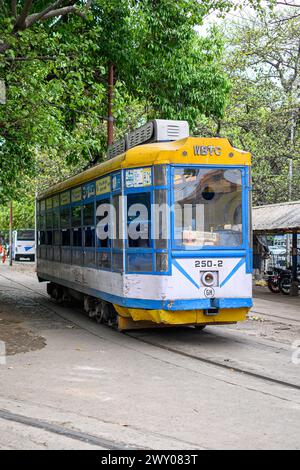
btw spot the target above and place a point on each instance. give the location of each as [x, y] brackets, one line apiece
[199, 327]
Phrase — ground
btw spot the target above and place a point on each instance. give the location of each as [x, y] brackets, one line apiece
[70, 383]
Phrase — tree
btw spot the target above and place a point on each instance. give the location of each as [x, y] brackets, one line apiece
[264, 108]
[55, 63]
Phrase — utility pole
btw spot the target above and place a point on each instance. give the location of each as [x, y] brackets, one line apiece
[110, 121]
[290, 188]
[10, 233]
[291, 159]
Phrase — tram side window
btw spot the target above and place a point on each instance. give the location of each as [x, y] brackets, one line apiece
[117, 241]
[56, 219]
[56, 237]
[65, 226]
[76, 226]
[89, 226]
[42, 232]
[88, 214]
[102, 223]
[161, 215]
[42, 237]
[49, 225]
[139, 220]
[65, 237]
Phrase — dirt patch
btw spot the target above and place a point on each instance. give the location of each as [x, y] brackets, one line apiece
[17, 338]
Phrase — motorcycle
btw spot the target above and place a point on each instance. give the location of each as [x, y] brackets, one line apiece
[274, 279]
[286, 282]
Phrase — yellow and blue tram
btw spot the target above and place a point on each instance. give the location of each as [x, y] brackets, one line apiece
[158, 234]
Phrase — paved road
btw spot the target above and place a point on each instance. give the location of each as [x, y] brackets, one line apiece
[70, 383]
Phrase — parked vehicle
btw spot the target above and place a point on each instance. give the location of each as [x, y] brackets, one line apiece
[274, 278]
[23, 246]
[286, 281]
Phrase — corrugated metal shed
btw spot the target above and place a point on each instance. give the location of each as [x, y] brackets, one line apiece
[284, 217]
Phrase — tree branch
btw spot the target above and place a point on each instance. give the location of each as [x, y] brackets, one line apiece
[287, 4]
[14, 8]
[20, 23]
[52, 12]
[24, 20]
[37, 16]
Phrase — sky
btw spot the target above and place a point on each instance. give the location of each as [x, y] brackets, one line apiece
[246, 14]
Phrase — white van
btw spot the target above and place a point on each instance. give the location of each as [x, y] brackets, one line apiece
[23, 246]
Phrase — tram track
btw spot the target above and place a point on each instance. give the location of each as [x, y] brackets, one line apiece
[219, 364]
[63, 431]
[292, 320]
[198, 358]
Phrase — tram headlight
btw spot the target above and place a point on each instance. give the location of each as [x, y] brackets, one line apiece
[210, 279]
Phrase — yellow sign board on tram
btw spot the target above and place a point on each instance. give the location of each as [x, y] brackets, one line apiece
[65, 198]
[103, 185]
[76, 194]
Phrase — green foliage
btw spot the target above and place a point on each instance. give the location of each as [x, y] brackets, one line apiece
[23, 215]
[56, 77]
[263, 112]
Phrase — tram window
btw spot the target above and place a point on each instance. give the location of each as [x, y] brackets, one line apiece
[138, 220]
[76, 216]
[76, 237]
[139, 262]
[56, 218]
[160, 175]
[49, 220]
[88, 214]
[41, 221]
[104, 260]
[65, 217]
[162, 262]
[42, 237]
[49, 237]
[89, 237]
[208, 207]
[102, 231]
[56, 237]
[65, 237]
[161, 215]
[117, 241]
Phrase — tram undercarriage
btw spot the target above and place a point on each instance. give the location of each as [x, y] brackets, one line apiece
[123, 318]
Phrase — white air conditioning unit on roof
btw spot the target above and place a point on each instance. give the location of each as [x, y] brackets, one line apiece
[168, 130]
[158, 130]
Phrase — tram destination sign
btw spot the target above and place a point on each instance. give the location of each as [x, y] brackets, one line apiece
[205, 150]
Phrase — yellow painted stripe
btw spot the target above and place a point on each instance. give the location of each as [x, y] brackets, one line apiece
[183, 317]
[178, 152]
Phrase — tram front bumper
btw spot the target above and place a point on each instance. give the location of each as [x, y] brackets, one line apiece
[183, 317]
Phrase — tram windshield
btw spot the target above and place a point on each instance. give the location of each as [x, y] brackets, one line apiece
[207, 207]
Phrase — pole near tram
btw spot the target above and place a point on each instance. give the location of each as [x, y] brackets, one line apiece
[110, 121]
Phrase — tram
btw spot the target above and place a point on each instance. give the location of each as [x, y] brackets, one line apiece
[158, 234]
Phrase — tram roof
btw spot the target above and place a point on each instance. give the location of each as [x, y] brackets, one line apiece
[185, 151]
[272, 218]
